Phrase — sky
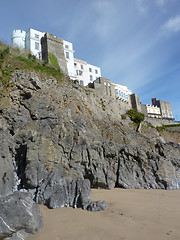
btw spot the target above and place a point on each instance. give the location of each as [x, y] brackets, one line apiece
[135, 42]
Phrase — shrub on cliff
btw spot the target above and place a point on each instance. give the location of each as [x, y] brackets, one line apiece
[136, 116]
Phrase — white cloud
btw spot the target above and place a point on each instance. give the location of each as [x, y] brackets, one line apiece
[162, 3]
[172, 25]
[106, 12]
[142, 6]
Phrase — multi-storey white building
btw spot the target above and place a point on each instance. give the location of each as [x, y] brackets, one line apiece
[94, 72]
[77, 69]
[69, 55]
[81, 72]
[30, 40]
[153, 111]
[86, 73]
[33, 42]
[122, 92]
[165, 108]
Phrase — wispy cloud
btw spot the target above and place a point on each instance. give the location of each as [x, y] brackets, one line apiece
[142, 6]
[162, 3]
[172, 25]
[106, 11]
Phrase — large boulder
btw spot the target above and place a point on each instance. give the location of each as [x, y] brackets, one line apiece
[20, 216]
[56, 192]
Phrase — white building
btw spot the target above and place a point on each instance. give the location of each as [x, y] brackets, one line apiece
[33, 42]
[153, 111]
[122, 92]
[85, 73]
[94, 72]
[77, 69]
[69, 55]
[30, 40]
[81, 73]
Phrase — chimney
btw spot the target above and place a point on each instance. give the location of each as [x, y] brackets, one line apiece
[153, 101]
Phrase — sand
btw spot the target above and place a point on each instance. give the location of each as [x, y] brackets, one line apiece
[131, 215]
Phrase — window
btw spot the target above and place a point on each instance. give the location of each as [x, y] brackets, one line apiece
[105, 87]
[90, 69]
[109, 89]
[91, 77]
[67, 46]
[81, 83]
[96, 71]
[80, 73]
[36, 45]
[81, 66]
[75, 64]
[37, 36]
[67, 55]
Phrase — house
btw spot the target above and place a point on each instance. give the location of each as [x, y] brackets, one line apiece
[86, 73]
[122, 92]
[153, 111]
[76, 69]
[30, 40]
[165, 108]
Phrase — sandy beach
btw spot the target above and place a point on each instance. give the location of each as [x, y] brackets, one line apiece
[130, 215]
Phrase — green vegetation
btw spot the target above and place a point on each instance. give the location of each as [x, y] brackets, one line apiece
[136, 116]
[14, 58]
[103, 105]
[165, 127]
[53, 60]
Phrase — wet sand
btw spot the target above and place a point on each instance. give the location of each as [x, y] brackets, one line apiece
[130, 215]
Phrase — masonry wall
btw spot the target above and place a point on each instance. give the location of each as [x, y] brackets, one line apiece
[159, 122]
[54, 45]
[104, 86]
[135, 102]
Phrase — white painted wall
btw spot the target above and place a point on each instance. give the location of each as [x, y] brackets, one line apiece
[153, 111]
[69, 55]
[81, 72]
[18, 38]
[122, 92]
[94, 72]
[33, 42]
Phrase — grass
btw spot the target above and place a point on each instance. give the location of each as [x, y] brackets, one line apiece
[53, 60]
[14, 58]
[165, 127]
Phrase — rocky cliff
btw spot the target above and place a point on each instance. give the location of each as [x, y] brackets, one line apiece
[47, 126]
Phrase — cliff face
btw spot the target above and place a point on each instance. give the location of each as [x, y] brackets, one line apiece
[171, 134]
[46, 126]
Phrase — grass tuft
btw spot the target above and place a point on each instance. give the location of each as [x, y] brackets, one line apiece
[15, 58]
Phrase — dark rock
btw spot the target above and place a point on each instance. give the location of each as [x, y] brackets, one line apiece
[97, 206]
[20, 216]
[59, 192]
[53, 134]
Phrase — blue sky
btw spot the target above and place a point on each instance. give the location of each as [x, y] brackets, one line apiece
[135, 42]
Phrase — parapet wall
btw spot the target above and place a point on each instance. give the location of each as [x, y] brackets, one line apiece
[54, 45]
[159, 122]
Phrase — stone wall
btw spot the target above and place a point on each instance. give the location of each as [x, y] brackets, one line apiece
[159, 122]
[135, 102]
[54, 45]
[104, 86]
